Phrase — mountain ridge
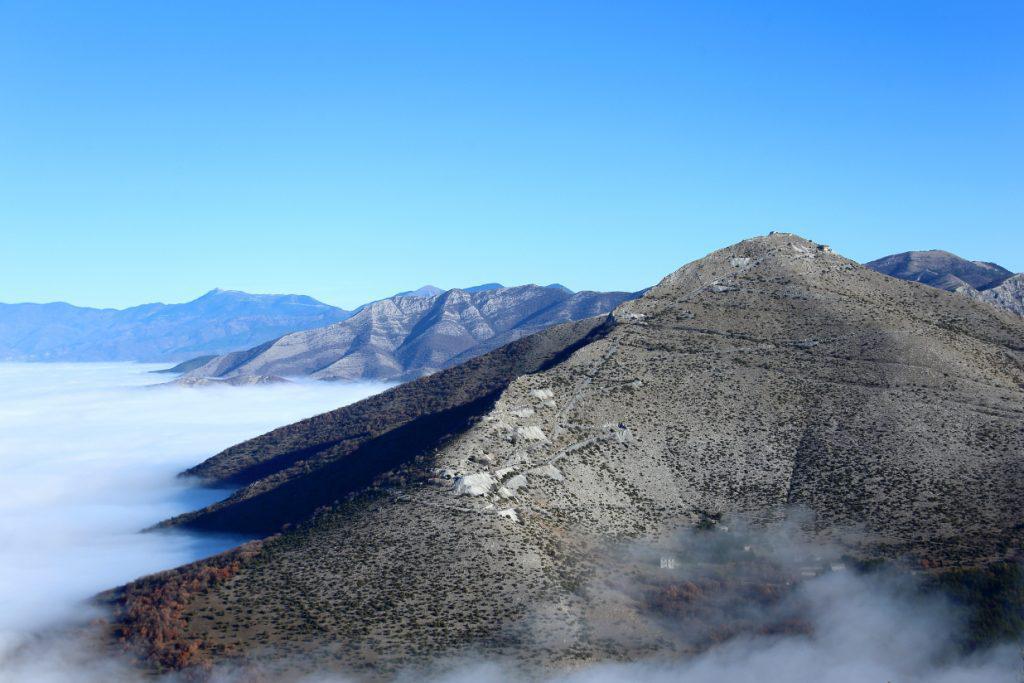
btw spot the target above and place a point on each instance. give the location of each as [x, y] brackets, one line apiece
[769, 377]
[403, 337]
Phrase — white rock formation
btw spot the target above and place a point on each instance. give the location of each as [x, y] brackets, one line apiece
[474, 484]
[549, 471]
[509, 514]
[531, 433]
[516, 483]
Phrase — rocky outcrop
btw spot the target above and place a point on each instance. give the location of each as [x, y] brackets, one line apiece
[477, 484]
[411, 335]
[1008, 295]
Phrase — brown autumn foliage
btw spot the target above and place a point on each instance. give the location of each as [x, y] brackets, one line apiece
[149, 613]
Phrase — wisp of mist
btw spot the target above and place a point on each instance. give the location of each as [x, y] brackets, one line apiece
[89, 456]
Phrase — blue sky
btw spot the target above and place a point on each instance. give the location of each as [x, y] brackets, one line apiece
[154, 150]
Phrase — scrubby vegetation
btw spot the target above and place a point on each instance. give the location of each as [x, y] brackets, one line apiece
[150, 615]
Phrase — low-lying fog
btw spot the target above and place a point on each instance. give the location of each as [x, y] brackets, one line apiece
[88, 457]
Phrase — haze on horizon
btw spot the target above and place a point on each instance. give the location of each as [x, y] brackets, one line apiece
[150, 152]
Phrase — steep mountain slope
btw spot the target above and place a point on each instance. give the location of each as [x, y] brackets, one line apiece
[941, 269]
[767, 375]
[352, 446]
[407, 336]
[214, 323]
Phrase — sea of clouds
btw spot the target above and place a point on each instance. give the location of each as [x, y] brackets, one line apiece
[88, 457]
[89, 454]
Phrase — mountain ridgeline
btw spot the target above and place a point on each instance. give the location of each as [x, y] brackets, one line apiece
[223, 322]
[482, 510]
[404, 337]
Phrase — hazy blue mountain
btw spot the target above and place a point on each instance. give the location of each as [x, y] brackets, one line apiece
[217, 322]
[555, 285]
[486, 287]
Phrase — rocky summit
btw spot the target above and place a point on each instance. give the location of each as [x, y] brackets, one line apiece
[484, 510]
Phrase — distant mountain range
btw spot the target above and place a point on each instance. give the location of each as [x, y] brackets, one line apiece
[219, 321]
[425, 330]
[230, 334]
[980, 280]
[411, 334]
[224, 321]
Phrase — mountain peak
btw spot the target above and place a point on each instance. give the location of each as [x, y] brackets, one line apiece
[486, 287]
[770, 375]
[218, 292]
[941, 269]
[426, 292]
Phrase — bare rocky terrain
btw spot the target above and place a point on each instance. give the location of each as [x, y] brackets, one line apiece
[484, 510]
[414, 334]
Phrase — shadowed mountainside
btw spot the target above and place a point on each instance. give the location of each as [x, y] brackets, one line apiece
[350, 447]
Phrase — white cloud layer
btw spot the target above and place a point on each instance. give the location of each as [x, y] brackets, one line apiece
[89, 456]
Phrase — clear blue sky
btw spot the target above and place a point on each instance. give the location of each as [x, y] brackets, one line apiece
[154, 150]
